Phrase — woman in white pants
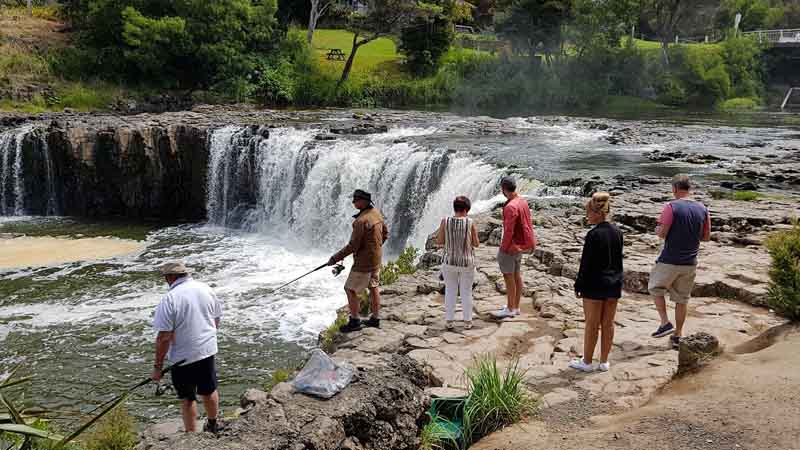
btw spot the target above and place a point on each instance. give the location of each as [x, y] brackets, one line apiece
[459, 236]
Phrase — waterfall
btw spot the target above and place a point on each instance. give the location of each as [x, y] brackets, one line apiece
[15, 197]
[289, 182]
[12, 187]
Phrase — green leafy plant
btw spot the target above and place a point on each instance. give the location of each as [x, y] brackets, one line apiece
[278, 376]
[116, 431]
[496, 398]
[328, 336]
[403, 265]
[783, 294]
[23, 423]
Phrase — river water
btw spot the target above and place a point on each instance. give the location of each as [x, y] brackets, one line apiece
[84, 328]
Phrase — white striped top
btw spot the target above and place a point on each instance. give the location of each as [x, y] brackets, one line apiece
[458, 242]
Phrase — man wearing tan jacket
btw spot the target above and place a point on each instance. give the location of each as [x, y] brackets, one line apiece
[366, 242]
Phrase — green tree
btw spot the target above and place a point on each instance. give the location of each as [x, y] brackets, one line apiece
[665, 17]
[603, 23]
[754, 14]
[383, 17]
[743, 60]
[183, 43]
[424, 41]
[535, 25]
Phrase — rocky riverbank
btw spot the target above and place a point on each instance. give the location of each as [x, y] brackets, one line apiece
[729, 298]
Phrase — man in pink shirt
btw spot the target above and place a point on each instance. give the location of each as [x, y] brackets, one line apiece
[518, 238]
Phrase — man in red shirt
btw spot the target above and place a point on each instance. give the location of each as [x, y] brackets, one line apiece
[518, 238]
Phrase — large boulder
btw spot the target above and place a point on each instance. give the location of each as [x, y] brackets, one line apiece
[383, 409]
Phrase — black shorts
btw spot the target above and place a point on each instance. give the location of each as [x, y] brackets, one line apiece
[199, 377]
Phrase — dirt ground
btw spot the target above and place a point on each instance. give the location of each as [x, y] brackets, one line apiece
[42, 251]
[740, 401]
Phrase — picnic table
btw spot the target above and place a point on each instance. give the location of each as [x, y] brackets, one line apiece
[336, 53]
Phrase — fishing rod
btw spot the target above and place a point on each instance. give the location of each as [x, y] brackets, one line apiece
[144, 382]
[337, 269]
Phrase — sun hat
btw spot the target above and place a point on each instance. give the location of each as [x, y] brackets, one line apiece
[174, 268]
[363, 195]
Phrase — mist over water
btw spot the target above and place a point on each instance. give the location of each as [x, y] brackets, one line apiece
[277, 207]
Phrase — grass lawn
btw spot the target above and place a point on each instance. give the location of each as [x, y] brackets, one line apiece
[378, 57]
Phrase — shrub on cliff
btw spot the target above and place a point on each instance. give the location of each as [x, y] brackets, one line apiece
[116, 431]
[496, 398]
[784, 287]
[403, 265]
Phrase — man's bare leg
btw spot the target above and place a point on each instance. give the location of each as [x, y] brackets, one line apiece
[661, 307]
[211, 404]
[353, 303]
[375, 297]
[511, 289]
[189, 414]
[519, 288]
[681, 310]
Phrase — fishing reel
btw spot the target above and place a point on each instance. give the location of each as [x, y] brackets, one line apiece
[163, 388]
[337, 269]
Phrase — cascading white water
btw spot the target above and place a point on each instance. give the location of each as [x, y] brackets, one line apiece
[50, 180]
[290, 181]
[13, 197]
[12, 188]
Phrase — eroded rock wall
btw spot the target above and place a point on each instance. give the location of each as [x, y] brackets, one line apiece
[141, 171]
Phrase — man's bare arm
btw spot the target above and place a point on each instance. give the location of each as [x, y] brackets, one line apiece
[163, 341]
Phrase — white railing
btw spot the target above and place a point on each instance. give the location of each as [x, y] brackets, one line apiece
[775, 36]
[788, 96]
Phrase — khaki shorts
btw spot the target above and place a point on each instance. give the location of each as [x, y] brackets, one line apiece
[509, 263]
[678, 281]
[358, 281]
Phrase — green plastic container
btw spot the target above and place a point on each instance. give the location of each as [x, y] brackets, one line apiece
[448, 415]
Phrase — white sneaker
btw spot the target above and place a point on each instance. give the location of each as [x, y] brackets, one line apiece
[503, 313]
[579, 364]
[468, 325]
[449, 325]
[515, 312]
[604, 366]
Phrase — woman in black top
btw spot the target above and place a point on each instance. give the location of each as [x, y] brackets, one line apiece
[599, 282]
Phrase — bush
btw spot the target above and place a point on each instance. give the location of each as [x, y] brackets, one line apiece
[743, 61]
[784, 287]
[188, 44]
[278, 376]
[329, 334]
[740, 104]
[404, 265]
[746, 196]
[495, 399]
[115, 431]
[424, 42]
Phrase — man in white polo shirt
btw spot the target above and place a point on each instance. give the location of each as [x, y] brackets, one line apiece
[187, 320]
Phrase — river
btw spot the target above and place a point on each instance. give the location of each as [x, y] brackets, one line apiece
[83, 328]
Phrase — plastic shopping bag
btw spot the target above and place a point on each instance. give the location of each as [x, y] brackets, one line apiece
[322, 376]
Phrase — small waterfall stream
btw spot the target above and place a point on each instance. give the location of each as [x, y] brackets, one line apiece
[291, 182]
[24, 150]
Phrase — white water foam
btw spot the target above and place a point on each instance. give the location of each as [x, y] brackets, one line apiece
[303, 187]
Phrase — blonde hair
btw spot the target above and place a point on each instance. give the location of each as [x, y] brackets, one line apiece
[600, 203]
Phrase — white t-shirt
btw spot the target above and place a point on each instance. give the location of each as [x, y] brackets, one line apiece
[189, 309]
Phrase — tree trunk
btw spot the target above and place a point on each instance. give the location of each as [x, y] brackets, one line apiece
[313, 16]
[664, 50]
[349, 64]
